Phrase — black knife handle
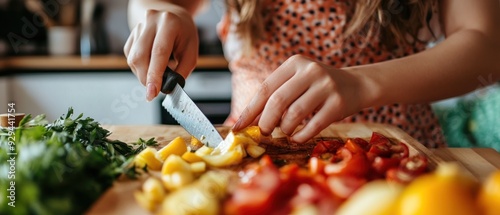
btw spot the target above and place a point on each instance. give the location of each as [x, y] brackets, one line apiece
[170, 79]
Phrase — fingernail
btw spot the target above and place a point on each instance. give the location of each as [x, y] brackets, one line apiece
[295, 138]
[150, 92]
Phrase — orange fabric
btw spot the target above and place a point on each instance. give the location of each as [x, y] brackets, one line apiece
[314, 29]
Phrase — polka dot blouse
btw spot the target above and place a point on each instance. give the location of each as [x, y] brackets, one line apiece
[315, 29]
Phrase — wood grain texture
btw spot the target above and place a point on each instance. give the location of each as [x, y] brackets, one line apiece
[477, 162]
[96, 62]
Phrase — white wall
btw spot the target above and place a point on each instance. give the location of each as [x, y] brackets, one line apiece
[4, 96]
[117, 28]
[110, 98]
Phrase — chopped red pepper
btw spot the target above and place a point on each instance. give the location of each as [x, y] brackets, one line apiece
[348, 163]
[416, 165]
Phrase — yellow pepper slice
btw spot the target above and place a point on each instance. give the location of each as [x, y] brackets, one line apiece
[175, 147]
[148, 157]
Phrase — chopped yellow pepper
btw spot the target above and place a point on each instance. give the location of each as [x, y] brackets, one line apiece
[255, 151]
[191, 157]
[148, 157]
[252, 132]
[176, 172]
[204, 150]
[198, 167]
[153, 190]
[196, 143]
[176, 180]
[174, 163]
[176, 147]
[225, 159]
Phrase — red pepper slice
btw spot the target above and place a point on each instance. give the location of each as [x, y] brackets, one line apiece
[257, 192]
[380, 150]
[400, 150]
[379, 138]
[316, 166]
[399, 176]
[363, 143]
[348, 163]
[356, 145]
[389, 149]
[325, 149]
[415, 165]
[381, 165]
[344, 186]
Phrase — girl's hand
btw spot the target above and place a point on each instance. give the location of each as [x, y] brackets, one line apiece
[299, 88]
[153, 41]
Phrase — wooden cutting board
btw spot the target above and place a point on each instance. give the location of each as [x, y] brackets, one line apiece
[119, 199]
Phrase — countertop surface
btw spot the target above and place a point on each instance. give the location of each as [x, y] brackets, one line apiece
[96, 62]
[119, 199]
[479, 162]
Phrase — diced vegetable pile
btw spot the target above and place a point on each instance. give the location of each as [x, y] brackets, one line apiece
[184, 183]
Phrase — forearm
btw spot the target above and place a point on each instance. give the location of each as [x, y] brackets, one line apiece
[137, 8]
[460, 64]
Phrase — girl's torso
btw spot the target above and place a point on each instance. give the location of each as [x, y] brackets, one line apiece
[315, 29]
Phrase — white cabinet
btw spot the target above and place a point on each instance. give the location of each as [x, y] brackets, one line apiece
[108, 97]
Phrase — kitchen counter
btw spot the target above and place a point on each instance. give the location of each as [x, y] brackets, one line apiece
[478, 162]
[119, 199]
[96, 62]
[34, 83]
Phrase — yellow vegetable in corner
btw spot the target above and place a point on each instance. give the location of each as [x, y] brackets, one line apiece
[375, 198]
[489, 195]
[176, 147]
[445, 191]
[148, 157]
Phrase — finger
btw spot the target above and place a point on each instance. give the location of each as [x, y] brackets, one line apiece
[134, 35]
[267, 88]
[187, 57]
[281, 100]
[141, 51]
[160, 54]
[303, 107]
[128, 44]
[318, 122]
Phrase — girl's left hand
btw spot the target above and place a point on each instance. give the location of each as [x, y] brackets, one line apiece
[301, 88]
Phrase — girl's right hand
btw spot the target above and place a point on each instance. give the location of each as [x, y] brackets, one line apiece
[154, 40]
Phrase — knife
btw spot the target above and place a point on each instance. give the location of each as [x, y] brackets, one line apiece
[185, 111]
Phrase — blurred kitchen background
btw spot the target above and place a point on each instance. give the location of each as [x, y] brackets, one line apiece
[76, 60]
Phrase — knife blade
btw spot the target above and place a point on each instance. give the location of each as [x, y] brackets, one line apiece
[185, 112]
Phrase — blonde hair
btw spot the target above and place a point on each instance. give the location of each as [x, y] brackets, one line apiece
[398, 20]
